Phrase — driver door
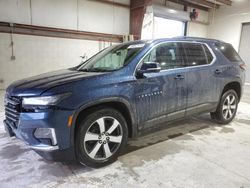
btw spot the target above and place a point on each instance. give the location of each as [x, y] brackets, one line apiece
[161, 96]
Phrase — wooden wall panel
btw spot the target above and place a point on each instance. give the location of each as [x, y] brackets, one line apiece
[137, 10]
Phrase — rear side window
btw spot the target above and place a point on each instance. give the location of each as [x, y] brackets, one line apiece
[197, 54]
[228, 51]
[208, 54]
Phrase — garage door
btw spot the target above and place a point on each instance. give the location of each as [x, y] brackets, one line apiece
[167, 28]
[244, 50]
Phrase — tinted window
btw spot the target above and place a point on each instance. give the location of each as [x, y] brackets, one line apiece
[167, 55]
[228, 51]
[208, 54]
[195, 53]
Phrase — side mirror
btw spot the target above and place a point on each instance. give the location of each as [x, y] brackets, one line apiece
[149, 67]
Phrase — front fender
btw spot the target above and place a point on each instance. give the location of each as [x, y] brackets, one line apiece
[125, 102]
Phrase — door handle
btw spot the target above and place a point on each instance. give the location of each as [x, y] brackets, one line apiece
[179, 77]
[218, 71]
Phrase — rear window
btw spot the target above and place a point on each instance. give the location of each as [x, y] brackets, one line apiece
[228, 51]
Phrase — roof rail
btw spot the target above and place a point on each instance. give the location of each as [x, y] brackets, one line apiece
[197, 38]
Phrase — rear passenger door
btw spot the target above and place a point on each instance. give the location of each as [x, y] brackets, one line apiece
[200, 79]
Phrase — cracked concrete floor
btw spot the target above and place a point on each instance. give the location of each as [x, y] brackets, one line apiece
[190, 153]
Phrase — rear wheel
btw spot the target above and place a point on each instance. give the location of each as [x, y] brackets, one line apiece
[227, 108]
[101, 137]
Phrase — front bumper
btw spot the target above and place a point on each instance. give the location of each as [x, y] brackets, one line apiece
[44, 147]
[56, 120]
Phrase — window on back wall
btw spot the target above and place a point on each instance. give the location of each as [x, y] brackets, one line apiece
[158, 27]
[166, 28]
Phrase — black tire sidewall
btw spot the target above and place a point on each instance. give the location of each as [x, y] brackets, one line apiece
[219, 110]
[82, 156]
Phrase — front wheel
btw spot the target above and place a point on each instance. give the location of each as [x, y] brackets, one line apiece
[227, 108]
[100, 137]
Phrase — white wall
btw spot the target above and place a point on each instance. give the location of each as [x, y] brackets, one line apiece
[196, 30]
[85, 15]
[56, 13]
[200, 27]
[15, 11]
[99, 17]
[226, 22]
[35, 54]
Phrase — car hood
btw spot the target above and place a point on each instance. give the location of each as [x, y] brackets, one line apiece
[36, 85]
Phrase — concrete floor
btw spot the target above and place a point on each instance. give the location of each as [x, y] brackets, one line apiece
[190, 153]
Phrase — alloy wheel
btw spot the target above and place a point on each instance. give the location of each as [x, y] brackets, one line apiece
[103, 138]
[229, 106]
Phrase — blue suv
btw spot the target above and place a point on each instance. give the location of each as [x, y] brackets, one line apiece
[87, 113]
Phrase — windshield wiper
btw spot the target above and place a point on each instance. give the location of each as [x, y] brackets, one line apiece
[96, 70]
[83, 70]
[100, 70]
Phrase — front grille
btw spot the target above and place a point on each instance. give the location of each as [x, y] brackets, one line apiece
[12, 110]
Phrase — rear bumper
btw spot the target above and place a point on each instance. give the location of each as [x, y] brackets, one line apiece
[52, 119]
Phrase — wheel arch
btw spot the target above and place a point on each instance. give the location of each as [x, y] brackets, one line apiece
[235, 85]
[122, 105]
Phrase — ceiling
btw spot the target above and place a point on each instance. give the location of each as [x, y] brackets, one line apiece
[200, 4]
[204, 4]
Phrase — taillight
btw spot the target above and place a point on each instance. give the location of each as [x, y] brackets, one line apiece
[243, 66]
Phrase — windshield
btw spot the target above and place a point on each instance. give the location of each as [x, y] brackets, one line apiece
[112, 58]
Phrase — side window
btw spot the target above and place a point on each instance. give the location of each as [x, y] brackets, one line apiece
[168, 55]
[195, 54]
[208, 54]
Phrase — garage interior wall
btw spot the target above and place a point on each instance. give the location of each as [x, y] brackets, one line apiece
[198, 28]
[244, 49]
[37, 54]
[226, 22]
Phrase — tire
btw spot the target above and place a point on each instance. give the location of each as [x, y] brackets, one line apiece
[227, 108]
[101, 137]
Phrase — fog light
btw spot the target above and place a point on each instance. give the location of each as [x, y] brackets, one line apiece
[46, 133]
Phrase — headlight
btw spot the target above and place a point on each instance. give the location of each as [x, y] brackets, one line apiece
[46, 100]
